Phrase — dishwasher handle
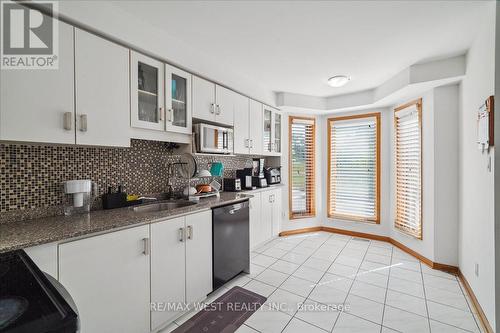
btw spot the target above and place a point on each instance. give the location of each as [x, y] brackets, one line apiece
[234, 208]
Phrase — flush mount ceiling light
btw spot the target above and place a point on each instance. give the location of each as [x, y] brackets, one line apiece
[338, 80]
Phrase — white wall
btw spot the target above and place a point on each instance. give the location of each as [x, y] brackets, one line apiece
[476, 188]
[446, 110]
[385, 222]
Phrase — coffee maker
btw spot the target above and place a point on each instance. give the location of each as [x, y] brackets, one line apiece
[245, 176]
[78, 196]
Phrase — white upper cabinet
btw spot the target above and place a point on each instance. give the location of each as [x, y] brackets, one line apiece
[38, 105]
[268, 129]
[147, 109]
[277, 121]
[108, 278]
[203, 99]
[178, 100]
[272, 131]
[212, 102]
[248, 134]
[224, 108]
[241, 125]
[102, 91]
[256, 134]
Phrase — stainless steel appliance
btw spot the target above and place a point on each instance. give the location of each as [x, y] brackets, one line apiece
[231, 242]
[232, 184]
[213, 139]
[273, 175]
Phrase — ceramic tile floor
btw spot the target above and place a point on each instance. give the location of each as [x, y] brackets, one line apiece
[385, 289]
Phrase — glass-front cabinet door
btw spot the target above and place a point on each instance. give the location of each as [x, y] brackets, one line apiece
[272, 131]
[146, 95]
[277, 132]
[178, 100]
[268, 120]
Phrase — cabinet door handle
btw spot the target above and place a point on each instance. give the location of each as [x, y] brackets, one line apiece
[251, 143]
[212, 108]
[181, 234]
[147, 246]
[170, 111]
[218, 109]
[162, 114]
[68, 117]
[246, 143]
[190, 232]
[83, 123]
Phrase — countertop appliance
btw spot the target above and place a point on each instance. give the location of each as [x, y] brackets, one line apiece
[230, 242]
[259, 182]
[78, 196]
[273, 175]
[213, 139]
[32, 301]
[245, 176]
[232, 184]
[258, 167]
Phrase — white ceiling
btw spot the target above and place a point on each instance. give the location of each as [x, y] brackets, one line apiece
[294, 46]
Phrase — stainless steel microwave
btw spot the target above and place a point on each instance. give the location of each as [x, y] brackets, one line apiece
[213, 139]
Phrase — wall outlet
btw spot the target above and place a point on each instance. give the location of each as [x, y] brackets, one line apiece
[476, 269]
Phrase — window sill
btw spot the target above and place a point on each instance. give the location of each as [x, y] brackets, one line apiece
[351, 218]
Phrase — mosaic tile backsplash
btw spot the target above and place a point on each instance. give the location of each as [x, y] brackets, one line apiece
[31, 175]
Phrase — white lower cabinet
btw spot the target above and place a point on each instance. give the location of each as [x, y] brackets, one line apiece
[181, 264]
[265, 216]
[108, 278]
[198, 256]
[45, 257]
[277, 213]
[255, 218]
[168, 269]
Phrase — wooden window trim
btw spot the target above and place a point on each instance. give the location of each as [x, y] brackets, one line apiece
[312, 211]
[376, 115]
[418, 104]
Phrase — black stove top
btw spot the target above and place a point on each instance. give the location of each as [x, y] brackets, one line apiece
[29, 302]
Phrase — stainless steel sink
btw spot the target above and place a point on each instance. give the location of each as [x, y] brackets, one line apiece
[156, 207]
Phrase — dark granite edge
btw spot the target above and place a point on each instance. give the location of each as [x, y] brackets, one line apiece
[40, 231]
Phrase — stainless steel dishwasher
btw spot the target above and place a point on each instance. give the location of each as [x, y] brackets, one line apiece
[231, 243]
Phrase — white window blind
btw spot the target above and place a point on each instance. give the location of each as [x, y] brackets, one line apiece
[302, 173]
[408, 139]
[354, 167]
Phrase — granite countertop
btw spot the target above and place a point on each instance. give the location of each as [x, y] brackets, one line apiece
[18, 235]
